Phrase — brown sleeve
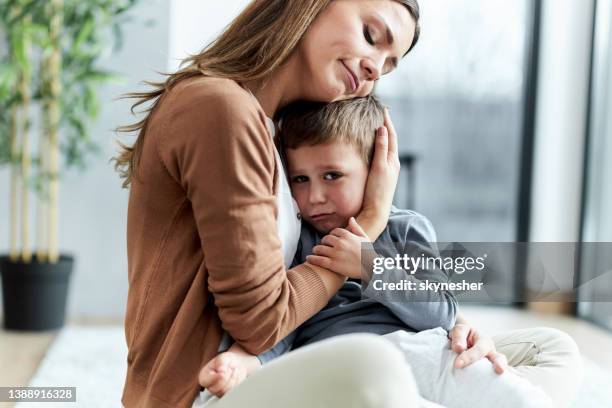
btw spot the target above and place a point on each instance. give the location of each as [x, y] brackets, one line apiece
[215, 144]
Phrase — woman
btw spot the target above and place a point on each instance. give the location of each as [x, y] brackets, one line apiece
[211, 223]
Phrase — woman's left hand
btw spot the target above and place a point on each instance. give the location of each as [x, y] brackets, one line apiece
[472, 346]
[382, 180]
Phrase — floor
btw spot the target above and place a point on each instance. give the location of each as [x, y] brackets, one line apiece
[22, 352]
[593, 341]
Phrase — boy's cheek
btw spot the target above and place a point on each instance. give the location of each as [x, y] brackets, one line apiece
[300, 201]
[351, 204]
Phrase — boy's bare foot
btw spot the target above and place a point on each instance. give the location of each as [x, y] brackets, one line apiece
[227, 370]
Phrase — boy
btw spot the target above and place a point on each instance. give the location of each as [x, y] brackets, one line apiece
[328, 149]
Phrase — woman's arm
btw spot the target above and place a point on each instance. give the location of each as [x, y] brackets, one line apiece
[213, 142]
[461, 319]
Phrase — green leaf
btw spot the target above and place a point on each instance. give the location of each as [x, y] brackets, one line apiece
[84, 33]
[87, 26]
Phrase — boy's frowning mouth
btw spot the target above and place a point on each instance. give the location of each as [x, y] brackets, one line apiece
[320, 216]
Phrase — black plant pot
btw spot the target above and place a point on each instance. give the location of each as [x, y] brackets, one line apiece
[34, 294]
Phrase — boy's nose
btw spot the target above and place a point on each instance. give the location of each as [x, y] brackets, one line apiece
[316, 195]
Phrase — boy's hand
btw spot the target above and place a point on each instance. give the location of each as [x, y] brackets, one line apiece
[340, 250]
[227, 370]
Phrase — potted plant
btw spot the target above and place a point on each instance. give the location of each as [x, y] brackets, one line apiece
[48, 55]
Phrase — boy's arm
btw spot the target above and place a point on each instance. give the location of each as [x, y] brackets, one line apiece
[342, 251]
[419, 309]
[249, 360]
[279, 349]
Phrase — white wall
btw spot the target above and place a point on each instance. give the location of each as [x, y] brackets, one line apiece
[93, 207]
[195, 23]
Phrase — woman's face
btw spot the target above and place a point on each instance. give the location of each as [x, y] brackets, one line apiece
[350, 45]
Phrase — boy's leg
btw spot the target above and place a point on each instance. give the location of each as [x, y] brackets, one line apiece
[357, 370]
[546, 357]
[476, 385]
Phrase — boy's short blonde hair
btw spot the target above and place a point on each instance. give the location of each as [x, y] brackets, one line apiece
[352, 121]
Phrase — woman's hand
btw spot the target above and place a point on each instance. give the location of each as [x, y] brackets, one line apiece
[340, 250]
[472, 346]
[382, 179]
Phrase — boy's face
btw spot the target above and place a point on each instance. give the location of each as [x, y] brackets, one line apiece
[328, 182]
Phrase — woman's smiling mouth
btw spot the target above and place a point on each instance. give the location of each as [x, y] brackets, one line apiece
[351, 81]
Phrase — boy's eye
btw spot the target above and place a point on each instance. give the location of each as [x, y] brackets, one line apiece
[332, 175]
[299, 179]
[368, 35]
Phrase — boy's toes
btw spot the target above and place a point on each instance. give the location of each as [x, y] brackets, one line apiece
[222, 383]
[207, 377]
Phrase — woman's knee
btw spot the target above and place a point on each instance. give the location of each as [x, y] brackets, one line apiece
[375, 369]
[373, 351]
[355, 370]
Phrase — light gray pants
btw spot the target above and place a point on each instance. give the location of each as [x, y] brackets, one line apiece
[404, 369]
[476, 385]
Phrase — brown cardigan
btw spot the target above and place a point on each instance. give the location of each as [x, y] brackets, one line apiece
[203, 248]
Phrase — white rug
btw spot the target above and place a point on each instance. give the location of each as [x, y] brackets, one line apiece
[596, 389]
[94, 361]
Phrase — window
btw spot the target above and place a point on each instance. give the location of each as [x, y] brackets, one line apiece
[457, 102]
[597, 218]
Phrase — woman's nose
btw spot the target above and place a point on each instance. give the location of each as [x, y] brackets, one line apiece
[371, 68]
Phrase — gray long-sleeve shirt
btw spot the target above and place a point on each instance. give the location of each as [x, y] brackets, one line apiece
[357, 309]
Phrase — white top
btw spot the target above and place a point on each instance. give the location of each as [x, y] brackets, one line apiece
[289, 222]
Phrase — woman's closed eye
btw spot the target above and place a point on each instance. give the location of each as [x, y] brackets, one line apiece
[332, 175]
[368, 35]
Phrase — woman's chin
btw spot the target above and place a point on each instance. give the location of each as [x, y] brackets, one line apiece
[331, 92]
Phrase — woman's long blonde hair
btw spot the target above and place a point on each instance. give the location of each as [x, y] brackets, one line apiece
[253, 45]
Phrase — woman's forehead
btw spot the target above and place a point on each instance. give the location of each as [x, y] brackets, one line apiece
[398, 24]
